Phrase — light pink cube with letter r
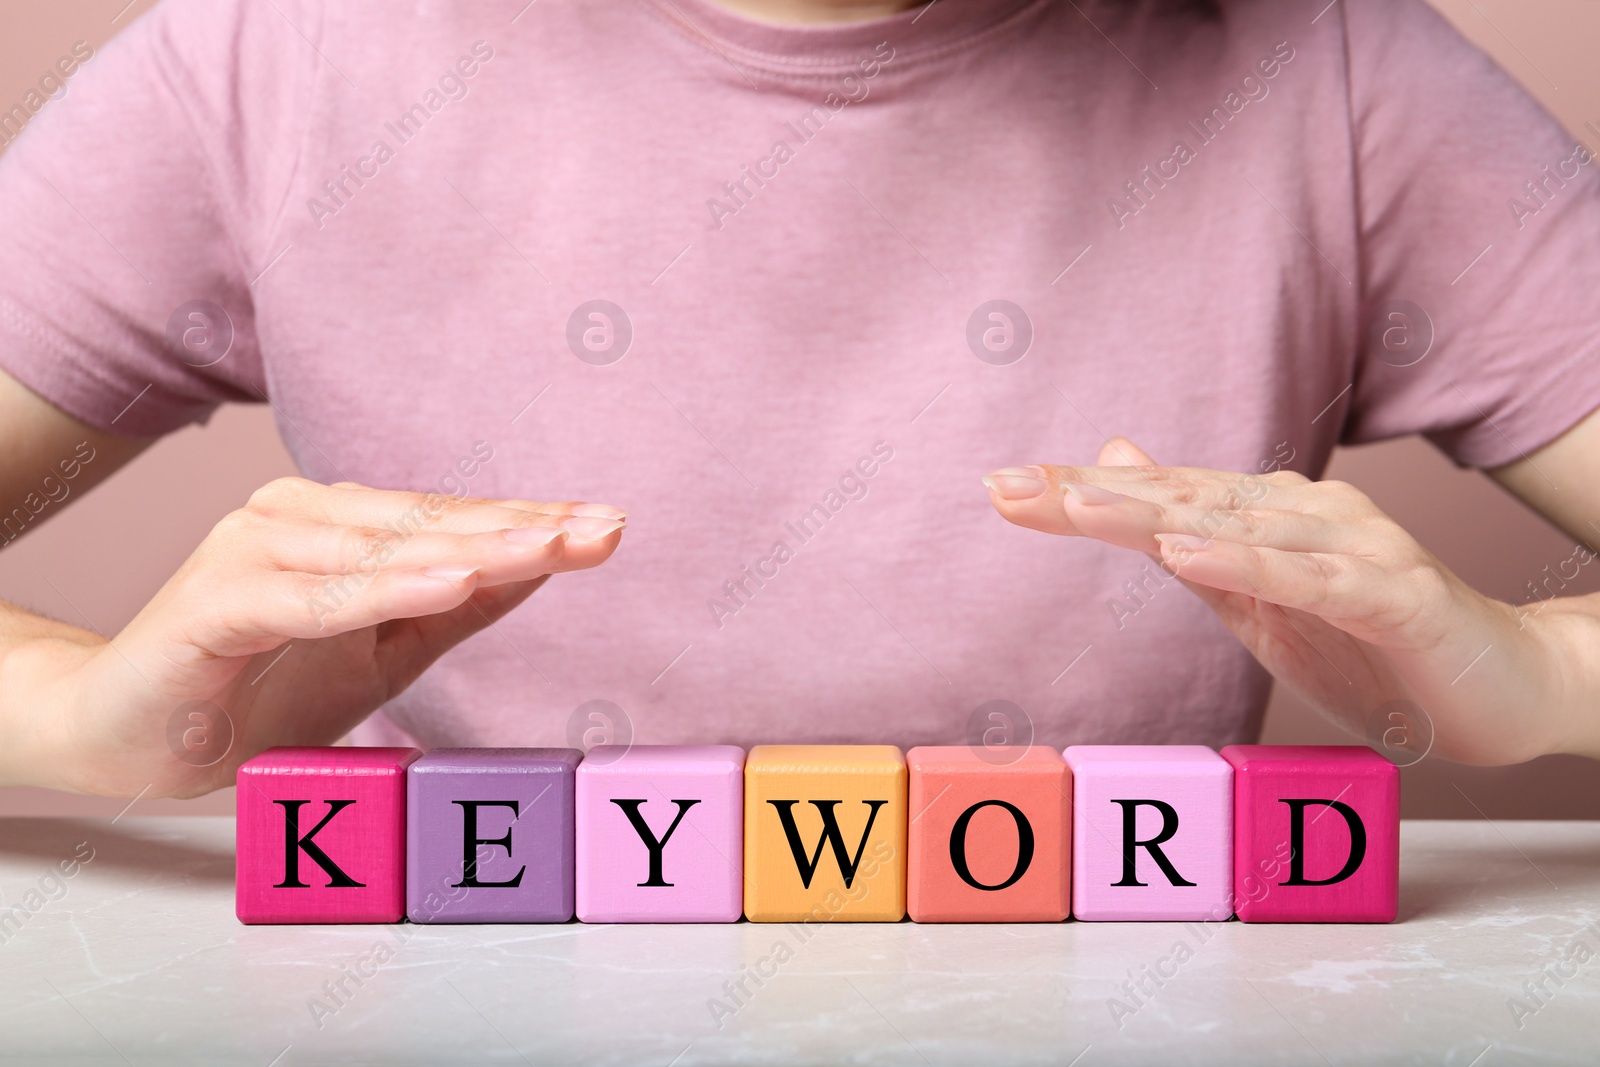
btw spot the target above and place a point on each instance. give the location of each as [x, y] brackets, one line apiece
[1152, 833]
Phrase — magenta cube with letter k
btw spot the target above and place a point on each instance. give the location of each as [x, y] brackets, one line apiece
[321, 835]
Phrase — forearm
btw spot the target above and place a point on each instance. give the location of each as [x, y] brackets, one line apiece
[38, 658]
[1569, 627]
[1561, 481]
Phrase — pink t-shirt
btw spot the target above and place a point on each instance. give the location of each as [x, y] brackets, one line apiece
[787, 293]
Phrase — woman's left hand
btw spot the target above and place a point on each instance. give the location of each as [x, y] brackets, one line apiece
[1331, 595]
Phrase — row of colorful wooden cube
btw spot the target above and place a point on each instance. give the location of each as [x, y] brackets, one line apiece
[818, 832]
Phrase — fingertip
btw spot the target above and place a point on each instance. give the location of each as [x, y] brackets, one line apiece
[581, 554]
[599, 511]
[590, 528]
[454, 575]
[1199, 559]
[535, 536]
[1089, 494]
[1119, 451]
[1174, 542]
[1016, 483]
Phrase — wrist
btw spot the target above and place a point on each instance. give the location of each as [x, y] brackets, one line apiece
[1567, 632]
[38, 711]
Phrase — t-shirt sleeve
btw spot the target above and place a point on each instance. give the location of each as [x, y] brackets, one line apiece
[137, 209]
[1480, 237]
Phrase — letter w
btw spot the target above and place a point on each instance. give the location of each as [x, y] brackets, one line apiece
[830, 835]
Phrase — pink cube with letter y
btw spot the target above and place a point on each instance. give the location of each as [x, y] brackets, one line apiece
[661, 834]
[321, 835]
[1316, 833]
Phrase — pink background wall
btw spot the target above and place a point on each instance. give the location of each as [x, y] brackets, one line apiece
[95, 563]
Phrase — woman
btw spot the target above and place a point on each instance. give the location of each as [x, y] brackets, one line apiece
[783, 279]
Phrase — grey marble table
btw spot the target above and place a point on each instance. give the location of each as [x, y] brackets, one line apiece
[136, 958]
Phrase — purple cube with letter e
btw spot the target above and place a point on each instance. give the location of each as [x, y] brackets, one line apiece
[489, 835]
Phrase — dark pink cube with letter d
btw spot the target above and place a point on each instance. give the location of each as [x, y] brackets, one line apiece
[321, 835]
[489, 835]
[1316, 834]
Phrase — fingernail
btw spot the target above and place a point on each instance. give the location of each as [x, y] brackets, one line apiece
[451, 574]
[599, 511]
[589, 528]
[533, 535]
[1084, 493]
[1016, 483]
[1185, 541]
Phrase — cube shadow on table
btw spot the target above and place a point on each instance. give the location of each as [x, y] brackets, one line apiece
[1316, 832]
[661, 834]
[489, 835]
[989, 834]
[321, 835]
[825, 833]
[1152, 835]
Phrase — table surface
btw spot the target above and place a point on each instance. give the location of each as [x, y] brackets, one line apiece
[138, 959]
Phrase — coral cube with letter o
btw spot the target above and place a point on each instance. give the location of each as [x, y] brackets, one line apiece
[989, 834]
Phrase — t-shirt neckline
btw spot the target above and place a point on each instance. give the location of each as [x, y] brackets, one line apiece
[917, 35]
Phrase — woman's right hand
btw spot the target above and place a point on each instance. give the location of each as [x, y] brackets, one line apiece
[299, 614]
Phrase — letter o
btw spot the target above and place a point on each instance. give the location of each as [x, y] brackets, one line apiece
[958, 846]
